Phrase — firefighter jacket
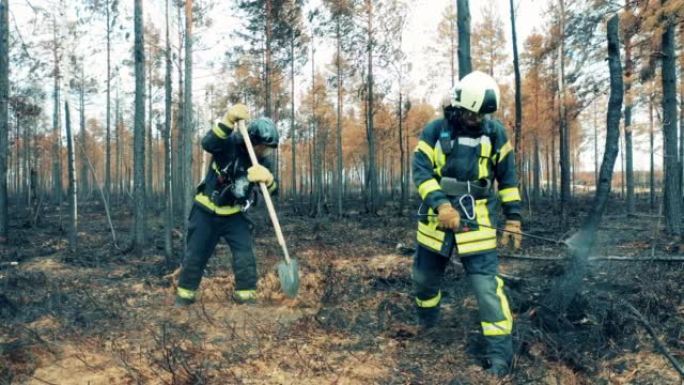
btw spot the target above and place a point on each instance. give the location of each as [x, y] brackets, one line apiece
[225, 189]
[482, 158]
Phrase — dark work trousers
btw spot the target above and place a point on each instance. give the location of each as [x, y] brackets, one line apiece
[481, 271]
[204, 230]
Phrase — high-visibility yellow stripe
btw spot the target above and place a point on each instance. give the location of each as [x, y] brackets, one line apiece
[475, 247]
[427, 150]
[245, 294]
[503, 151]
[185, 293]
[501, 328]
[485, 154]
[427, 187]
[509, 194]
[431, 231]
[428, 242]
[440, 159]
[428, 303]
[504, 327]
[219, 132]
[220, 210]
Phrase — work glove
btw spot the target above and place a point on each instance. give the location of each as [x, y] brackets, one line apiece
[513, 232]
[259, 174]
[236, 112]
[448, 217]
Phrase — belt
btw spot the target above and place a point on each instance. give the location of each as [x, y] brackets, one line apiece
[479, 189]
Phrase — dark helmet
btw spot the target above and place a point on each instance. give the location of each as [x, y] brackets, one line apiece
[263, 131]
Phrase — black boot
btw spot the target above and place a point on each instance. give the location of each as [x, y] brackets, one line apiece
[497, 368]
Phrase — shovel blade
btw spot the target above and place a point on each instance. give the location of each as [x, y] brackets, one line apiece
[289, 277]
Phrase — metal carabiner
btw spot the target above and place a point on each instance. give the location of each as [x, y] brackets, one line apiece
[463, 200]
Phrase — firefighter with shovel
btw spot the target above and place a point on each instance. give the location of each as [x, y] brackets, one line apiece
[221, 201]
[456, 163]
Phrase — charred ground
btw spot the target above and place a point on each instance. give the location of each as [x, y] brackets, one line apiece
[104, 316]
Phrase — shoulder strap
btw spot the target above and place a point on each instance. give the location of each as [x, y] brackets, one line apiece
[445, 138]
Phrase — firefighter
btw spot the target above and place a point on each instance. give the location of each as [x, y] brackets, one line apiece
[221, 200]
[456, 162]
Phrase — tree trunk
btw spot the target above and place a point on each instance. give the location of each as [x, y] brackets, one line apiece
[340, 159]
[56, 128]
[293, 132]
[85, 185]
[564, 131]
[71, 165]
[681, 112]
[370, 132]
[463, 21]
[139, 132]
[108, 152]
[672, 196]
[629, 163]
[168, 194]
[582, 242]
[536, 192]
[187, 117]
[4, 118]
[150, 150]
[402, 169]
[651, 136]
[518, 93]
[267, 62]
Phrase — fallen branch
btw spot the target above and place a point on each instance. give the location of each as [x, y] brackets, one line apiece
[663, 349]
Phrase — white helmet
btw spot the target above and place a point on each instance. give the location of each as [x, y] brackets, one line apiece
[476, 92]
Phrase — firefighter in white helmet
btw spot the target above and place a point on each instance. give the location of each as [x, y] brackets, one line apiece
[458, 161]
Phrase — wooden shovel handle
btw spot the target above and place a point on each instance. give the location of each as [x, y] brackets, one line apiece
[264, 190]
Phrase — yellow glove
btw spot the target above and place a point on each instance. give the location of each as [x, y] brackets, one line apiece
[236, 112]
[513, 232]
[259, 174]
[448, 217]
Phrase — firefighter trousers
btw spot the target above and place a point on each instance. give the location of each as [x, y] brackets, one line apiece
[481, 271]
[204, 231]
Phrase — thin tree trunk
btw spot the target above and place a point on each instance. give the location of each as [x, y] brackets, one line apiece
[150, 150]
[82, 126]
[168, 193]
[402, 170]
[108, 155]
[463, 21]
[268, 108]
[564, 129]
[139, 132]
[56, 128]
[187, 117]
[582, 242]
[340, 159]
[518, 92]
[372, 172]
[293, 133]
[4, 118]
[672, 196]
[71, 164]
[629, 163]
[651, 136]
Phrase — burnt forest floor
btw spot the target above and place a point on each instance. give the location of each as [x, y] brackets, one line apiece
[104, 316]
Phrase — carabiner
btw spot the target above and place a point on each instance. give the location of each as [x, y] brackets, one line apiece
[462, 201]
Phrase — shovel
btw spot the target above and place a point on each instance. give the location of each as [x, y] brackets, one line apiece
[288, 270]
